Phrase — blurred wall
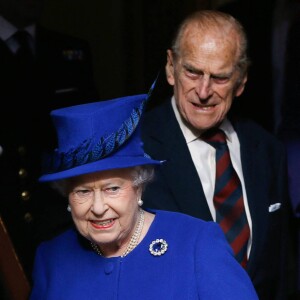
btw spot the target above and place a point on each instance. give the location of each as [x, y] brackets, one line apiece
[128, 38]
[101, 23]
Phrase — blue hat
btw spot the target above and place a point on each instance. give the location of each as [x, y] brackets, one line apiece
[96, 137]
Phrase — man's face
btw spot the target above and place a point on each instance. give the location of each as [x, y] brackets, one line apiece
[204, 77]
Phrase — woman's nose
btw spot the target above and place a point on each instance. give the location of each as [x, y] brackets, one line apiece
[99, 205]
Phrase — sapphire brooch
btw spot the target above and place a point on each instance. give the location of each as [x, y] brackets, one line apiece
[158, 247]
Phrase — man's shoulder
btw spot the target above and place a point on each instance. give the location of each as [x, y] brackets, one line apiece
[248, 126]
[252, 131]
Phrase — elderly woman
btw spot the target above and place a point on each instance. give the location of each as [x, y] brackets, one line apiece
[117, 250]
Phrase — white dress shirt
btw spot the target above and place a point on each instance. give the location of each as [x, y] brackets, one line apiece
[204, 158]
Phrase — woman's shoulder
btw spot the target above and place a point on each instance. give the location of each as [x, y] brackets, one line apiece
[175, 215]
[61, 241]
[180, 219]
[175, 227]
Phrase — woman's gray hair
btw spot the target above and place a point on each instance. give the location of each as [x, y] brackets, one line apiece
[141, 176]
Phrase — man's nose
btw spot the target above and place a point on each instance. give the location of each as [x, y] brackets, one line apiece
[203, 88]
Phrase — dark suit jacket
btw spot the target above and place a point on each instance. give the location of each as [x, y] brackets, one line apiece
[61, 75]
[177, 187]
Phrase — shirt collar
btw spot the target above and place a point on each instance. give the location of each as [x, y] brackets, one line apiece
[227, 127]
[189, 133]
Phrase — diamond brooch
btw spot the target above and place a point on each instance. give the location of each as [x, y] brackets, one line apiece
[158, 247]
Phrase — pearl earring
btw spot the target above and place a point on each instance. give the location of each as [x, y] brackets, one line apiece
[68, 208]
[140, 202]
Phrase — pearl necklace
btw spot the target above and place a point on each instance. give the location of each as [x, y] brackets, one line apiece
[134, 239]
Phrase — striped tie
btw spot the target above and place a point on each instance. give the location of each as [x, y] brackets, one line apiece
[228, 197]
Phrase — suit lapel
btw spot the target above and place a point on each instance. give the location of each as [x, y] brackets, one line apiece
[250, 148]
[179, 171]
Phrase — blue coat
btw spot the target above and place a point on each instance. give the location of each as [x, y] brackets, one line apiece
[197, 265]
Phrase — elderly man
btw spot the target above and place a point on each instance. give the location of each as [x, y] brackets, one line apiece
[218, 167]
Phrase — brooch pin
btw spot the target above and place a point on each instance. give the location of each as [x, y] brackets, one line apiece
[158, 247]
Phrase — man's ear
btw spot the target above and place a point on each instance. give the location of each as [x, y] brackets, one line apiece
[170, 67]
[241, 87]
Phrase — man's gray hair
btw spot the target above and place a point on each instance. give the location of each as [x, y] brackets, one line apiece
[207, 19]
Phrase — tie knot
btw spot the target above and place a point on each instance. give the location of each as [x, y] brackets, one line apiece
[214, 136]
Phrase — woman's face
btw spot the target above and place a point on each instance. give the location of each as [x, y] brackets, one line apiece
[104, 208]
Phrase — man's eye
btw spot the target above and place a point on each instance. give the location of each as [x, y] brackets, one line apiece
[191, 71]
[220, 79]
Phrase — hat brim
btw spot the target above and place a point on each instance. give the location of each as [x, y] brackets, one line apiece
[105, 164]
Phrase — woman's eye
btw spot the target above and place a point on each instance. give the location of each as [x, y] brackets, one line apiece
[113, 189]
[83, 193]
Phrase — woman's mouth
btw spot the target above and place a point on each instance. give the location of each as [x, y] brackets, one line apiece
[103, 224]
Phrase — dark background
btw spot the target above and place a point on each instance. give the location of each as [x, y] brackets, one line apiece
[129, 41]
[128, 38]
